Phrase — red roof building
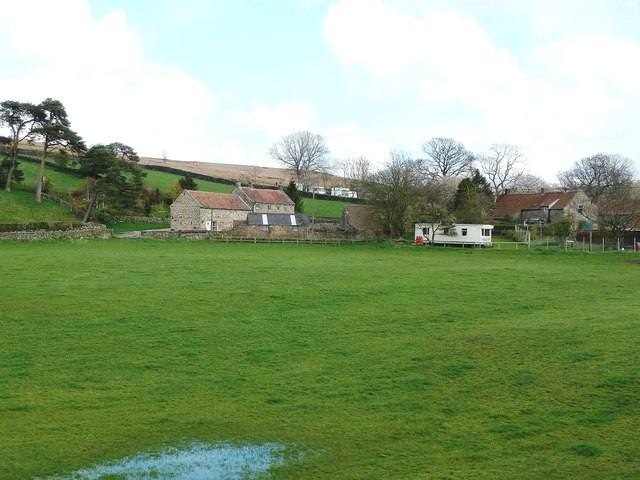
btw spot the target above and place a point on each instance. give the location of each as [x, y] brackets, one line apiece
[542, 207]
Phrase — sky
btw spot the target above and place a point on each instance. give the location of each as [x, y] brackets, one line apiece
[223, 80]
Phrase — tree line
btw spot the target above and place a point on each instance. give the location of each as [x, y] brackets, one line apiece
[450, 184]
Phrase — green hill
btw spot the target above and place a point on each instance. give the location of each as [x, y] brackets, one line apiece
[21, 207]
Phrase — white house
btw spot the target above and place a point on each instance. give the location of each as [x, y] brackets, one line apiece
[466, 234]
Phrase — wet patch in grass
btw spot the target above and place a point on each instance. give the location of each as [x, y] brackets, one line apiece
[193, 462]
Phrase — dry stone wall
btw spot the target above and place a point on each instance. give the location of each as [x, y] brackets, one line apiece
[88, 231]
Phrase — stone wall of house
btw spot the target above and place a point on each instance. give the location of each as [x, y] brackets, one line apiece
[92, 230]
[273, 208]
[580, 200]
[224, 218]
[185, 213]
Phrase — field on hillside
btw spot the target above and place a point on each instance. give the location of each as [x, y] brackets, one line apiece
[20, 207]
[65, 182]
[366, 361]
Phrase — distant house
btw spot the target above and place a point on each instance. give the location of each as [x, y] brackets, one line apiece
[535, 208]
[244, 207]
[477, 235]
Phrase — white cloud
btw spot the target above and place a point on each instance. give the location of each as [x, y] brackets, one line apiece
[286, 118]
[97, 69]
[351, 141]
[230, 152]
[554, 100]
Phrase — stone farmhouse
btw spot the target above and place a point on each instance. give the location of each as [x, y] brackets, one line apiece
[244, 209]
[543, 207]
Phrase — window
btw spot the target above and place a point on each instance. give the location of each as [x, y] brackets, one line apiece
[464, 232]
[425, 231]
[486, 232]
[269, 207]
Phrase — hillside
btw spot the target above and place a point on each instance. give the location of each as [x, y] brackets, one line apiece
[242, 173]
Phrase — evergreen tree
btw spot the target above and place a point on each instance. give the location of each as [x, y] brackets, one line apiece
[473, 200]
[188, 183]
[294, 194]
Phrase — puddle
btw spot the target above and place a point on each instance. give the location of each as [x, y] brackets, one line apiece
[197, 461]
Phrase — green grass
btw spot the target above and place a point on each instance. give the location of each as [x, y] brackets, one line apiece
[62, 182]
[19, 206]
[134, 226]
[163, 181]
[324, 208]
[378, 362]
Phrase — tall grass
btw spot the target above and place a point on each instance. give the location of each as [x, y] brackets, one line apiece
[378, 362]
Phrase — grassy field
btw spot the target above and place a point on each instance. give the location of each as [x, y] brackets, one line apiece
[378, 362]
[20, 207]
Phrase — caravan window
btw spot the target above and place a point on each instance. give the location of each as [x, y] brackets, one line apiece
[486, 232]
[464, 232]
[425, 231]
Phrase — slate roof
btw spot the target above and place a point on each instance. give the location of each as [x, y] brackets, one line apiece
[263, 195]
[281, 219]
[218, 201]
[510, 204]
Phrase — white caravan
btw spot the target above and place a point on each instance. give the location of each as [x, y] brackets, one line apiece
[471, 234]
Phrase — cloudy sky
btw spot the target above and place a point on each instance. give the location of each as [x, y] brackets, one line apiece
[222, 80]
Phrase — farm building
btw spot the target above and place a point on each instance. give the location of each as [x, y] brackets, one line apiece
[220, 212]
[476, 235]
[535, 208]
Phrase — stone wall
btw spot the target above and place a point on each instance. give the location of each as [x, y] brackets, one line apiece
[91, 230]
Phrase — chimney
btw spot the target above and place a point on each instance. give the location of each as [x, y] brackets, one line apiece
[543, 189]
[238, 184]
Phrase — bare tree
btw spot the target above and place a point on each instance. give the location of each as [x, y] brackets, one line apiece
[598, 174]
[301, 152]
[357, 173]
[528, 182]
[394, 192]
[618, 209]
[502, 166]
[446, 158]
